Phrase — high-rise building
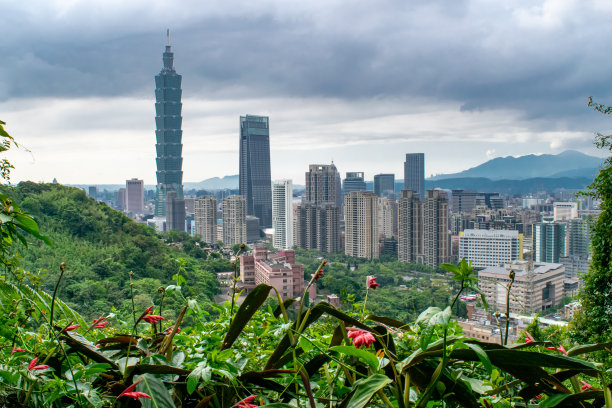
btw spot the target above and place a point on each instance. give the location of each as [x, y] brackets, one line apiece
[175, 212]
[463, 201]
[168, 133]
[410, 227]
[360, 225]
[414, 173]
[549, 241]
[255, 179]
[564, 211]
[134, 189]
[234, 220]
[282, 214]
[120, 199]
[490, 248]
[206, 218]
[323, 184]
[436, 234]
[354, 181]
[385, 218]
[384, 185]
[317, 227]
[92, 192]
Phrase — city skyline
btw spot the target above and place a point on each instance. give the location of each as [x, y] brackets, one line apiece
[460, 83]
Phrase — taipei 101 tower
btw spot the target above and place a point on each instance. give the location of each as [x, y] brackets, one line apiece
[168, 133]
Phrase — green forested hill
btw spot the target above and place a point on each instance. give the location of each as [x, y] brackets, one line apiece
[100, 247]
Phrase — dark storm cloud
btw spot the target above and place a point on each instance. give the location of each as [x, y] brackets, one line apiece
[541, 58]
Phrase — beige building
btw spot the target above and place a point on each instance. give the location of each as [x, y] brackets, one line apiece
[318, 227]
[205, 217]
[537, 286]
[323, 184]
[410, 227]
[234, 220]
[436, 233]
[361, 225]
[278, 270]
[564, 211]
[385, 218]
[490, 247]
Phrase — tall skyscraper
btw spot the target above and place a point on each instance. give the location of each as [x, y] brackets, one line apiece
[414, 174]
[323, 184]
[168, 133]
[360, 225]
[255, 179]
[134, 195]
[436, 237]
[205, 209]
[175, 212]
[549, 241]
[282, 214]
[384, 185]
[354, 181]
[410, 228]
[234, 220]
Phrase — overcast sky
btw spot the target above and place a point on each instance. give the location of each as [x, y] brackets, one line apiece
[357, 82]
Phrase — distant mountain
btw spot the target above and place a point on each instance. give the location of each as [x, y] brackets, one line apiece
[525, 186]
[570, 163]
[215, 183]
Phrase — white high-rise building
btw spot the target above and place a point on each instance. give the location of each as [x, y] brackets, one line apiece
[234, 220]
[282, 214]
[564, 211]
[486, 248]
[205, 209]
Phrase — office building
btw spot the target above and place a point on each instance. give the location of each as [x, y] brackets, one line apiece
[318, 227]
[360, 225]
[549, 241]
[120, 197]
[564, 211]
[410, 227]
[205, 210]
[436, 236]
[463, 201]
[282, 214]
[354, 181]
[134, 194]
[537, 286]
[255, 180]
[168, 134]
[92, 192]
[234, 220]
[490, 248]
[384, 185]
[278, 270]
[253, 230]
[175, 212]
[414, 174]
[323, 184]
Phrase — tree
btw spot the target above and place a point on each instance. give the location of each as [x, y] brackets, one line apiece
[595, 318]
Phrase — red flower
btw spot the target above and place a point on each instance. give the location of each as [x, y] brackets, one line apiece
[247, 402]
[152, 319]
[16, 350]
[148, 310]
[69, 328]
[586, 386]
[528, 338]
[128, 392]
[372, 282]
[486, 404]
[360, 337]
[33, 366]
[560, 348]
[100, 325]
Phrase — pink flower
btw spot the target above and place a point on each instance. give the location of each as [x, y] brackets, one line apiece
[247, 402]
[33, 366]
[586, 386]
[372, 282]
[16, 350]
[72, 327]
[320, 272]
[152, 319]
[128, 392]
[100, 325]
[528, 338]
[560, 348]
[360, 337]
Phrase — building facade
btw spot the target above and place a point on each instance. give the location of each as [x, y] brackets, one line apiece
[564, 211]
[318, 227]
[278, 270]
[255, 180]
[175, 212]
[168, 133]
[360, 225]
[134, 190]
[234, 220]
[414, 174]
[549, 241]
[436, 234]
[490, 248]
[384, 185]
[205, 213]
[323, 184]
[410, 227]
[282, 214]
[354, 181]
[385, 218]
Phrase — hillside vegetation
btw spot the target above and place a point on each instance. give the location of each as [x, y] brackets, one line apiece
[101, 246]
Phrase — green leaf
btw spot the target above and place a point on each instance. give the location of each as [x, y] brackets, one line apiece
[450, 268]
[482, 356]
[160, 397]
[364, 355]
[441, 317]
[192, 383]
[366, 388]
[248, 308]
[553, 400]
[587, 348]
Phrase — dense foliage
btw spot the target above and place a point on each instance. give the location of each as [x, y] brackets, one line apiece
[101, 246]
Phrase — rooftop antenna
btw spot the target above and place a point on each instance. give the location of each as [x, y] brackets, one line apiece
[168, 35]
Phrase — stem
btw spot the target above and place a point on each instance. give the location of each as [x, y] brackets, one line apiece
[456, 297]
[62, 269]
[161, 303]
[407, 390]
[133, 307]
[365, 302]
[508, 311]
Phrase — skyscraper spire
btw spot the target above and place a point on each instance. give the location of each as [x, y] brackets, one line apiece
[168, 35]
